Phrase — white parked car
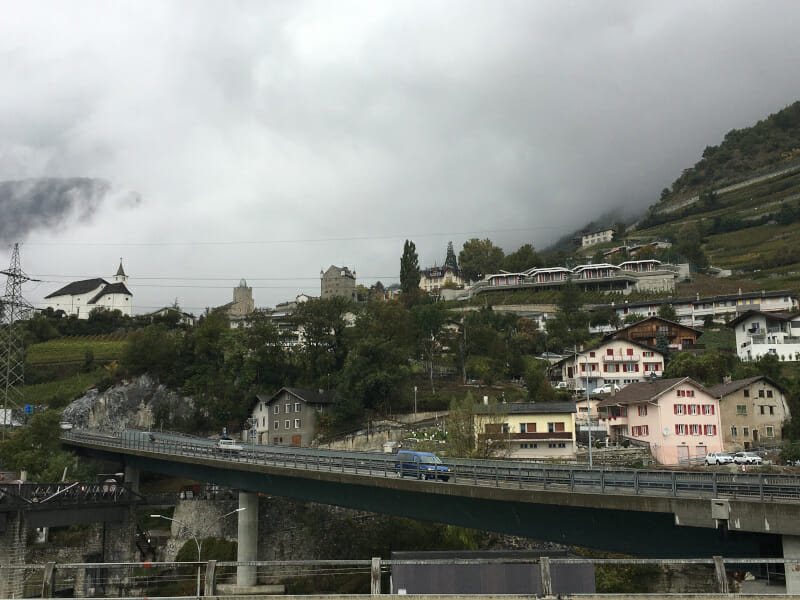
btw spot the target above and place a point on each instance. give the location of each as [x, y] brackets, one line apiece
[719, 458]
[605, 389]
[226, 445]
[561, 385]
[747, 458]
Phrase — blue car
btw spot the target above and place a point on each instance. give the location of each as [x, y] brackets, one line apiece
[422, 465]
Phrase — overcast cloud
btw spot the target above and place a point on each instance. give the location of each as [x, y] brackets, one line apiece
[267, 140]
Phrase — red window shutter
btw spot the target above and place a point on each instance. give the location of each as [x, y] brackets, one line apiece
[630, 351]
[675, 408]
[610, 352]
[637, 367]
[712, 410]
[715, 430]
[605, 368]
[677, 429]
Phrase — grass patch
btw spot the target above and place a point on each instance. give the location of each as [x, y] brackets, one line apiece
[723, 338]
[75, 350]
[57, 394]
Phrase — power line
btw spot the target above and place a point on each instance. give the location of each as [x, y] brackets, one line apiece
[291, 241]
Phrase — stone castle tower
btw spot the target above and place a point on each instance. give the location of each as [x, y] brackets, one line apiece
[243, 303]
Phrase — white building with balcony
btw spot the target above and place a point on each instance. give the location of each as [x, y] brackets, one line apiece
[759, 334]
[614, 362]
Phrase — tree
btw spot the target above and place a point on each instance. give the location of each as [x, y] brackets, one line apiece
[323, 350]
[428, 321]
[569, 326]
[479, 258]
[524, 258]
[409, 268]
[539, 388]
[667, 311]
[450, 260]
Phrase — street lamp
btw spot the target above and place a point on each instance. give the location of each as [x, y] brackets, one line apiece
[197, 541]
[415, 404]
[588, 412]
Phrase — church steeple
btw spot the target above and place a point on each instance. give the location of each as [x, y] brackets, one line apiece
[120, 277]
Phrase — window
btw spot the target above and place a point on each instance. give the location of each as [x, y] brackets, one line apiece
[610, 352]
[769, 393]
[772, 410]
[770, 431]
[297, 423]
[741, 409]
[746, 393]
[760, 393]
[276, 424]
[694, 409]
[642, 411]
[647, 353]
[629, 351]
[591, 354]
[680, 409]
[763, 409]
[733, 430]
[276, 409]
[695, 429]
[746, 431]
[709, 429]
[287, 424]
[288, 408]
[680, 429]
[297, 407]
[554, 427]
[708, 409]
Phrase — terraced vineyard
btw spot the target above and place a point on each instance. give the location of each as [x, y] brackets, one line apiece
[74, 349]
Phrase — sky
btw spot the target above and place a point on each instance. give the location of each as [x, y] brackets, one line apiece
[268, 140]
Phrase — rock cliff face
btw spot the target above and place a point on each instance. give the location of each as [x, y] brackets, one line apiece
[130, 404]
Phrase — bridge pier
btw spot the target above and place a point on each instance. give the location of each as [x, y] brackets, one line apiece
[12, 552]
[248, 538]
[132, 478]
[791, 549]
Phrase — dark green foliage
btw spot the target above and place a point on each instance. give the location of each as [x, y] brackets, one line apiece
[153, 349]
[37, 449]
[409, 268]
[667, 311]
[524, 258]
[451, 260]
[479, 258]
[211, 548]
[539, 388]
[708, 369]
[569, 327]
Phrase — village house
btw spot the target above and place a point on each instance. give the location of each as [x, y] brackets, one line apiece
[80, 298]
[434, 279]
[613, 362]
[759, 333]
[338, 282]
[678, 418]
[753, 413]
[647, 332]
[289, 417]
[528, 429]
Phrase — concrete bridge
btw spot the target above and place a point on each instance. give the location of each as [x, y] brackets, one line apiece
[639, 512]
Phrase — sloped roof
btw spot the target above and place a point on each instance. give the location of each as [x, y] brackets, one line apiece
[647, 391]
[120, 271]
[724, 389]
[307, 396]
[775, 316]
[77, 288]
[111, 288]
[653, 318]
[605, 342]
[524, 408]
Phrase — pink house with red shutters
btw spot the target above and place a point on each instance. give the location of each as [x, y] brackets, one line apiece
[678, 418]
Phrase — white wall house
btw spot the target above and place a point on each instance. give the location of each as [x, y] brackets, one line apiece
[615, 361]
[759, 333]
[80, 298]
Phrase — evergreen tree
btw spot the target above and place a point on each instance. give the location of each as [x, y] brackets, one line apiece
[409, 268]
[451, 260]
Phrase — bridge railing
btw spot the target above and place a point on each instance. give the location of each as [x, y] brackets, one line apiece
[178, 579]
[497, 473]
[31, 495]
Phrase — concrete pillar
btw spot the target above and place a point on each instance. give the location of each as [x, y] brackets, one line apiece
[248, 538]
[791, 549]
[12, 552]
[132, 478]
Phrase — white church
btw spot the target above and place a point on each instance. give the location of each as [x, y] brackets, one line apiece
[80, 298]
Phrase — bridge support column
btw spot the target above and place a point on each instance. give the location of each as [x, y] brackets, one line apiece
[132, 478]
[791, 549]
[12, 552]
[248, 538]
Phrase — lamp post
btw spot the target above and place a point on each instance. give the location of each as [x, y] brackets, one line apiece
[197, 541]
[588, 412]
[415, 404]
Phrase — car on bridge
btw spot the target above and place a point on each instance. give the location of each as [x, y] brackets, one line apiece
[719, 458]
[422, 465]
[228, 446]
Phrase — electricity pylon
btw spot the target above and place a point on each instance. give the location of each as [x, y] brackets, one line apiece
[12, 347]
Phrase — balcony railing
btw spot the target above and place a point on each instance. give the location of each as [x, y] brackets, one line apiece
[621, 358]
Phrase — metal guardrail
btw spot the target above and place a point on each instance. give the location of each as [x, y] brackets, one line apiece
[145, 579]
[14, 496]
[494, 473]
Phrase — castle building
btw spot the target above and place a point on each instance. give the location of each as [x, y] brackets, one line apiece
[80, 298]
[338, 281]
[243, 303]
